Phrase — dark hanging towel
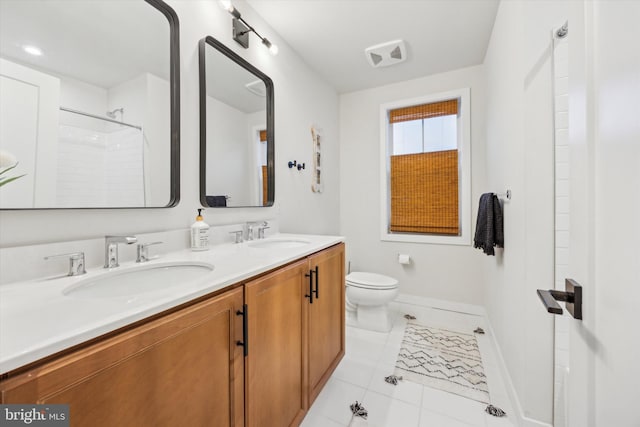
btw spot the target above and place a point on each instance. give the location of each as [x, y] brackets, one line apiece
[489, 226]
[216, 201]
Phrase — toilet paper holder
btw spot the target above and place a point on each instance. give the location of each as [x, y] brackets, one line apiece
[404, 259]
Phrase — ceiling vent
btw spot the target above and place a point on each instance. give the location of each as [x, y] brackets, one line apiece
[385, 54]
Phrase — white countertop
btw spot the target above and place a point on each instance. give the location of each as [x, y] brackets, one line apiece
[38, 320]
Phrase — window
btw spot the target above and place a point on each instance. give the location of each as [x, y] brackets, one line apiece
[263, 166]
[426, 169]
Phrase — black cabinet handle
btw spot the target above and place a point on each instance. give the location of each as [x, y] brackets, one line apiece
[317, 282]
[311, 292]
[245, 331]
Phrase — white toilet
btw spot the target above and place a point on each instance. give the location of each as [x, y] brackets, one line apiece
[368, 295]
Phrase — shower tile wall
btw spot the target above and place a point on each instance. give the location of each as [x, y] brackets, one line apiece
[561, 110]
[100, 168]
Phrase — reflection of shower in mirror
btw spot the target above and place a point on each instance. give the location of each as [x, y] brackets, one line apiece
[112, 114]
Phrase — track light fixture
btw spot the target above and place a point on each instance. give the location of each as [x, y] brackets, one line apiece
[241, 28]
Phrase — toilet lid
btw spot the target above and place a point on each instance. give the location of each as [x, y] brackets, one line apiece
[371, 281]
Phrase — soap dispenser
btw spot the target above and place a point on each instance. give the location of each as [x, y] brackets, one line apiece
[199, 234]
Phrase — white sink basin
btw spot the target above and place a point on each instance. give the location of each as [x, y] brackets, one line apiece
[279, 243]
[139, 280]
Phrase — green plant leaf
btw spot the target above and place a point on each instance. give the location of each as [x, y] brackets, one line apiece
[4, 181]
[9, 168]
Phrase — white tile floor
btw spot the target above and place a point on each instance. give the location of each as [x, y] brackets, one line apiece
[370, 356]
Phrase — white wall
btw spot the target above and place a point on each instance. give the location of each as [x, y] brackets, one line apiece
[448, 272]
[31, 119]
[520, 156]
[81, 96]
[301, 98]
[257, 154]
[228, 141]
[157, 144]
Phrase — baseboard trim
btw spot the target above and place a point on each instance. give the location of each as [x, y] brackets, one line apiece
[441, 304]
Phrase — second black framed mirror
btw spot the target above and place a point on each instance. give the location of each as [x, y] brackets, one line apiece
[236, 130]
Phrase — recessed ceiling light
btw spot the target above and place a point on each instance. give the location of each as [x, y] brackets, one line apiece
[32, 50]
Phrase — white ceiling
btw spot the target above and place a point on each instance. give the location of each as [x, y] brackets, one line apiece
[331, 35]
[103, 43]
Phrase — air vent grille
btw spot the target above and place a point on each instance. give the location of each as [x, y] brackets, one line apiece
[385, 54]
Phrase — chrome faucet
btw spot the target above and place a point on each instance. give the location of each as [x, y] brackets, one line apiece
[249, 227]
[261, 229]
[111, 249]
[76, 263]
[238, 234]
[249, 230]
[143, 252]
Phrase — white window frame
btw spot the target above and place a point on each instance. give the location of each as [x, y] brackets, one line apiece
[464, 159]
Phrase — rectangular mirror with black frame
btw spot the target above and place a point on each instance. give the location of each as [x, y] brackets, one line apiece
[236, 130]
[90, 108]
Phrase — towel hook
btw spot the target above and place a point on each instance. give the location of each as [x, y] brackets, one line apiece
[507, 194]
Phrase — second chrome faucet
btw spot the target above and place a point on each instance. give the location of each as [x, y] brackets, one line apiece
[249, 226]
[111, 249]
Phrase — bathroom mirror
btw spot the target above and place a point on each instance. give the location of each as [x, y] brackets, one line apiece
[89, 111]
[236, 130]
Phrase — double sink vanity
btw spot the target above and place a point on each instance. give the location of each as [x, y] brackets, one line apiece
[241, 335]
[244, 334]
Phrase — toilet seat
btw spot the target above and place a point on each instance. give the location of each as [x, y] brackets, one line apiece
[371, 281]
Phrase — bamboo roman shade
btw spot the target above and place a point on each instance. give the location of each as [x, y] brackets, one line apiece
[424, 193]
[424, 111]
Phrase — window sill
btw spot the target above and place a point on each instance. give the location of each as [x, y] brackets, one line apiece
[426, 238]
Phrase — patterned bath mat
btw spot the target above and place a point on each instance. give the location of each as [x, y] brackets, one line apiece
[443, 359]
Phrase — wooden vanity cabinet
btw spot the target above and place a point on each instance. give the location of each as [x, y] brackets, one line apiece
[275, 367]
[186, 368]
[326, 317]
[296, 337]
[183, 369]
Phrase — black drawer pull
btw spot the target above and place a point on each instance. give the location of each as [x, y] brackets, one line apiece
[317, 282]
[245, 331]
[311, 291]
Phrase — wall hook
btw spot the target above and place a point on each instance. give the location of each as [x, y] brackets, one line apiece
[507, 194]
[292, 164]
[300, 166]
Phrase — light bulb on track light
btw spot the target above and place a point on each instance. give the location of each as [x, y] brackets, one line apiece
[273, 48]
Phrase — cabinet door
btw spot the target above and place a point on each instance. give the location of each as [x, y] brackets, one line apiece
[326, 317]
[182, 369]
[275, 376]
